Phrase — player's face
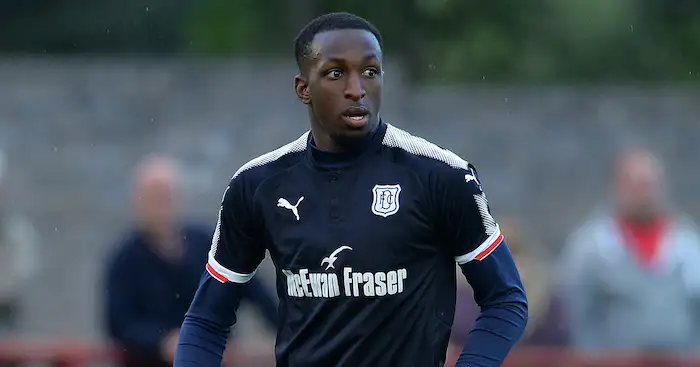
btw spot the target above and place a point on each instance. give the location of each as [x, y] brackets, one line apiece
[344, 84]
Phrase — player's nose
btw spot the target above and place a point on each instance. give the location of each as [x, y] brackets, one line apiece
[354, 89]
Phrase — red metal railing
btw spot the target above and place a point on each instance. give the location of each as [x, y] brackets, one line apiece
[84, 354]
[556, 357]
[55, 353]
[61, 353]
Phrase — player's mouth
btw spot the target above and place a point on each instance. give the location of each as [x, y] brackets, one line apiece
[356, 117]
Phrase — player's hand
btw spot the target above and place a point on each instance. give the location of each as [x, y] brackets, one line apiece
[168, 345]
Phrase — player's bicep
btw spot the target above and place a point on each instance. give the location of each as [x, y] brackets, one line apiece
[465, 221]
[237, 248]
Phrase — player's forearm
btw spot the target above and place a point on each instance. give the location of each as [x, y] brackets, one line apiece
[201, 343]
[496, 331]
[207, 324]
[499, 292]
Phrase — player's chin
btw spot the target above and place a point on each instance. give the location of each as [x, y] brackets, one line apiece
[357, 132]
[350, 138]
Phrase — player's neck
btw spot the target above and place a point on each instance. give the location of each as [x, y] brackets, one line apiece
[341, 156]
[328, 143]
[323, 142]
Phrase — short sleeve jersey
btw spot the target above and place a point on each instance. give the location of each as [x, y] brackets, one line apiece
[364, 255]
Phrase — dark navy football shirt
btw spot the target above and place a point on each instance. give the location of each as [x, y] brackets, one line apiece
[364, 254]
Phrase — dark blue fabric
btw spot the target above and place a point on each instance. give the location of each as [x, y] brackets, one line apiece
[499, 292]
[147, 296]
[497, 289]
[367, 278]
[206, 327]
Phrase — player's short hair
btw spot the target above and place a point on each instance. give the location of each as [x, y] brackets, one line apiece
[325, 23]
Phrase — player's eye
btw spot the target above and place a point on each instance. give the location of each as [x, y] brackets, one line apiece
[370, 72]
[334, 73]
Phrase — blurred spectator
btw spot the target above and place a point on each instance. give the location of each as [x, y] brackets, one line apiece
[545, 327]
[632, 273]
[18, 257]
[154, 273]
[18, 260]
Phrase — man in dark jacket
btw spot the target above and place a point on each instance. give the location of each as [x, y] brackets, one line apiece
[153, 274]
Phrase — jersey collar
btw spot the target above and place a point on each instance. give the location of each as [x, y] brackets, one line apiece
[337, 161]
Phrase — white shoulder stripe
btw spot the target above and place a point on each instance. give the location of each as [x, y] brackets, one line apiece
[397, 138]
[296, 146]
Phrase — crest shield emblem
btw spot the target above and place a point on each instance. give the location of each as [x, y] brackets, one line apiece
[385, 200]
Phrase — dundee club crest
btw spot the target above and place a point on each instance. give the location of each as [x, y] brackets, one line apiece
[386, 200]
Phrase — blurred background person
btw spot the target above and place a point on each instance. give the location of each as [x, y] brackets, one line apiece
[632, 271]
[18, 257]
[18, 261]
[154, 272]
[545, 325]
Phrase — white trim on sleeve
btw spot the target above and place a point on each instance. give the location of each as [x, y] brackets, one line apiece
[220, 273]
[484, 250]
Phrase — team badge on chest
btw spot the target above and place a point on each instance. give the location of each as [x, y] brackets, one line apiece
[385, 200]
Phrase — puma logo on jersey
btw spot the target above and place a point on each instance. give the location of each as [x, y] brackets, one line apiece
[284, 203]
[469, 178]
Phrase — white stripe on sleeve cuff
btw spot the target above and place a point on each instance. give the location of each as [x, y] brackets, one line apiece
[223, 275]
[484, 250]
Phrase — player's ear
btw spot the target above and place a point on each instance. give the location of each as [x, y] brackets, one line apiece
[301, 86]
